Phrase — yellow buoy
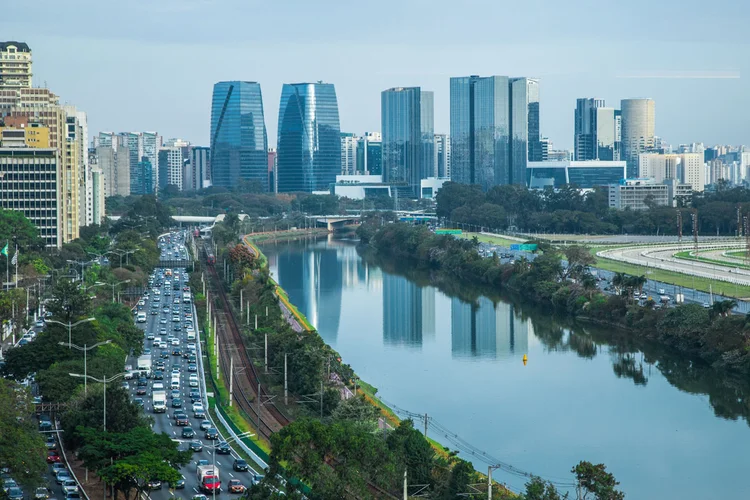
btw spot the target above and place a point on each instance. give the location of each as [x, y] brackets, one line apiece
[525, 359]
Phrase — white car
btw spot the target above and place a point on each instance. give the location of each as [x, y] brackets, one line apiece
[198, 407]
[193, 380]
[163, 344]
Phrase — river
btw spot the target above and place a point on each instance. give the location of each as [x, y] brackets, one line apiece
[664, 426]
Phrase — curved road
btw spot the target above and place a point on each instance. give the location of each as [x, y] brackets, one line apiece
[662, 257]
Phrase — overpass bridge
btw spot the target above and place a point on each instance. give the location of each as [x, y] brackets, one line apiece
[333, 222]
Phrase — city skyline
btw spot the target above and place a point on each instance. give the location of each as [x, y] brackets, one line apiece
[693, 67]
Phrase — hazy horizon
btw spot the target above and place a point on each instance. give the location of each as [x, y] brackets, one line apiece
[142, 66]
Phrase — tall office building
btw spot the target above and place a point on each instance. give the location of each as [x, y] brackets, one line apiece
[524, 126]
[638, 130]
[309, 137]
[238, 135]
[98, 209]
[407, 118]
[597, 131]
[686, 168]
[370, 154]
[170, 167]
[494, 129]
[15, 65]
[442, 156]
[115, 164]
[273, 170]
[152, 141]
[200, 161]
[348, 153]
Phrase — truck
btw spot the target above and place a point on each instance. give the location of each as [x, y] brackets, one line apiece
[208, 479]
[159, 401]
[144, 364]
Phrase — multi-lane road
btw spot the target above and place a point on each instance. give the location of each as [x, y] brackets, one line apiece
[171, 317]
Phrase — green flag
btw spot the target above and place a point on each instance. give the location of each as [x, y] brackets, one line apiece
[4, 251]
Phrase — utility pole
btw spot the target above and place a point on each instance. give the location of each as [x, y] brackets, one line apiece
[406, 485]
[258, 405]
[286, 394]
[231, 380]
[241, 303]
[256, 321]
[489, 483]
[425, 425]
[248, 313]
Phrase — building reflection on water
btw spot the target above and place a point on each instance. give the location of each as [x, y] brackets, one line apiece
[408, 312]
[487, 329]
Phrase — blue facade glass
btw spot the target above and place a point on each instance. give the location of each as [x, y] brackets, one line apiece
[309, 138]
[239, 142]
[584, 177]
[480, 130]
[407, 119]
[145, 183]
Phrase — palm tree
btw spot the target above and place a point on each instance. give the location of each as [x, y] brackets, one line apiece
[724, 307]
[618, 280]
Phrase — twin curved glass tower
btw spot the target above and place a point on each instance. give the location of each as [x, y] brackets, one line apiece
[309, 139]
[239, 144]
[309, 145]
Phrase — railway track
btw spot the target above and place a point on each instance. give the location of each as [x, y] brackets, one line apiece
[245, 380]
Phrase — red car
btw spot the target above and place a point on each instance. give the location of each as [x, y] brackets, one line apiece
[52, 457]
[235, 486]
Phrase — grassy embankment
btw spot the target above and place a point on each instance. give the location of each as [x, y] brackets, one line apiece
[687, 255]
[236, 418]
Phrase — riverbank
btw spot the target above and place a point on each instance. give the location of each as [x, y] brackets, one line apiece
[712, 336]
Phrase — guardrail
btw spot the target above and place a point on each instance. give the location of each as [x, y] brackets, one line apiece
[67, 463]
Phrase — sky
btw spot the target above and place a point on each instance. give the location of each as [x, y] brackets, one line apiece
[151, 64]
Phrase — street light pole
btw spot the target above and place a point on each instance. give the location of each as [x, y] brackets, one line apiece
[70, 328]
[105, 381]
[85, 350]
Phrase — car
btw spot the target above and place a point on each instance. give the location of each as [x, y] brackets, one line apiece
[199, 413]
[154, 484]
[164, 354]
[706, 305]
[177, 328]
[188, 432]
[197, 407]
[223, 448]
[199, 497]
[41, 493]
[72, 495]
[194, 398]
[182, 420]
[193, 380]
[58, 466]
[158, 375]
[146, 351]
[52, 457]
[212, 433]
[154, 312]
[240, 465]
[192, 367]
[176, 351]
[177, 403]
[178, 485]
[138, 401]
[142, 382]
[196, 445]
[69, 486]
[15, 493]
[141, 391]
[235, 486]
[174, 394]
[205, 424]
[175, 342]
[163, 321]
[62, 475]
[51, 442]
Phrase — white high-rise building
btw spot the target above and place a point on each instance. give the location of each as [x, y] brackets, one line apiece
[348, 153]
[170, 166]
[638, 130]
[685, 168]
[15, 65]
[442, 156]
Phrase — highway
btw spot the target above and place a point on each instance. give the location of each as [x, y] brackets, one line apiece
[165, 301]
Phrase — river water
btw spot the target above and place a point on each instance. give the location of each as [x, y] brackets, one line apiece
[666, 427]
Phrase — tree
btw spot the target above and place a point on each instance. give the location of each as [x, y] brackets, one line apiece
[538, 489]
[22, 449]
[410, 447]
[579, 259]
[69, 303]
[594, 480]
[723, 307]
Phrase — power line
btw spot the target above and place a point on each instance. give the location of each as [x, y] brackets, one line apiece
[461, 445]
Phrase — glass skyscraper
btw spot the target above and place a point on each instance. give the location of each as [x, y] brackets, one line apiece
[309, 138]
[407, 119]
[238, 135]
[524, 125]
[596, 131]
[480, 130]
